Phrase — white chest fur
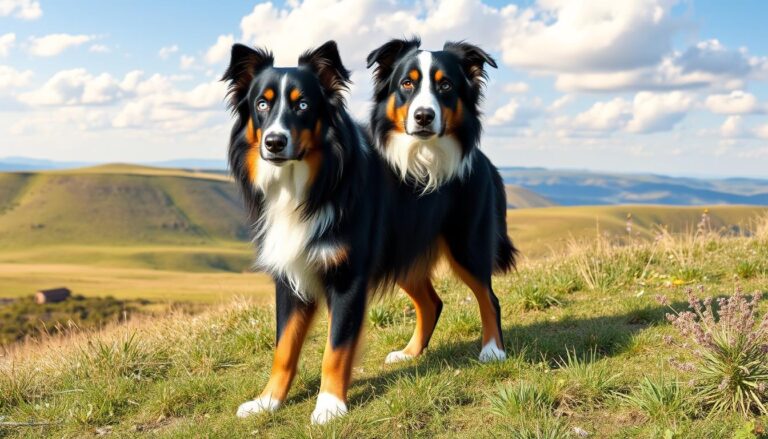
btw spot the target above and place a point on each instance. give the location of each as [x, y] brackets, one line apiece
[283, 233]
[430, 163]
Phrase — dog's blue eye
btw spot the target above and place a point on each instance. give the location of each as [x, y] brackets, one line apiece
[262, 105]
[445, 86]
[303, 105]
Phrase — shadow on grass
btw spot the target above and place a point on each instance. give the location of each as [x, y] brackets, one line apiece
[541, 341]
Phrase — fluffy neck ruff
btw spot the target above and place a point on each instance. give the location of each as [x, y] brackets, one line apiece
[284, 232]
[427, 163]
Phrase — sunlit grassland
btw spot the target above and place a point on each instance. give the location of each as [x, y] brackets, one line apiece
[588, 348]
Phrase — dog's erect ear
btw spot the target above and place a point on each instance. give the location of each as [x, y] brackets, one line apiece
[387, 55]
[473, 60]
[244, 65]
[326, 63]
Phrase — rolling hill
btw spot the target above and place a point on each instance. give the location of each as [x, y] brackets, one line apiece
[137, 231]
[521, 198]
[118, 205]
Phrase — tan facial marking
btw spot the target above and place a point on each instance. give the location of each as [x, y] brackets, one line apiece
[252, 155]
[453, 117]
[397, 115]
[438, 75]
[414, 75]
[295, 95]
[269, 94]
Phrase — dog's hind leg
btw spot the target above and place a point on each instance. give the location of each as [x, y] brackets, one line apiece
[346, 311]
[475, 272]
[428, 307]
[294, 318]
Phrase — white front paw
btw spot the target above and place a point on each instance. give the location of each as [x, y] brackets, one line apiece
[328, 408]
[397, 356]
[491, 352]
[258, 405]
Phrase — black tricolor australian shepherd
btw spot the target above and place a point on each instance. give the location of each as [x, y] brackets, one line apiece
[333, 223]
[426, 125]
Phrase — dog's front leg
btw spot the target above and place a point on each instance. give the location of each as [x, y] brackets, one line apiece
[293, 317]
[346, 311]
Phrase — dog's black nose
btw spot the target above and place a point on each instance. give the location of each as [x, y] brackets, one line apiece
[275, 142]
[424, 116]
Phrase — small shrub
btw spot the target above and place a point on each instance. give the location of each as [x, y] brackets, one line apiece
[545, 427]
[730, 349]
[747, 269]
[414, 400]
[586, 380]
[660, 399]
[126, 357]
[380, 316]
[533, 295]
[524, 398]
[603, 266]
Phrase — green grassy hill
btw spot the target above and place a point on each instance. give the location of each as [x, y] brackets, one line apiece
[538, 231]
[118, 205]
[521, 198]
[590, 353]
[135, 231]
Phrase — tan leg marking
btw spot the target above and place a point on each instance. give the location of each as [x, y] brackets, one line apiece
[287, 354]
[427, 305]
[483, 295]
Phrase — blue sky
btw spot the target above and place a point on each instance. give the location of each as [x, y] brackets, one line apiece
[663, 86]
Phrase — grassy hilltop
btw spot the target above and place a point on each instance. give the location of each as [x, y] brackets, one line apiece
[589, 345]
[171, 234]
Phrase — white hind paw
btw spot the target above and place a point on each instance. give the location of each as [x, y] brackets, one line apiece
[258, 405]
[327, 409]
[397, 357]
[491, 352]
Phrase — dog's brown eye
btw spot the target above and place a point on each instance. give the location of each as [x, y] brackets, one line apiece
[446, 86]
[407, 84]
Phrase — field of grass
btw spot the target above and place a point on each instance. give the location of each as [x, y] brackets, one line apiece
[539, 232]
[590, 352]
[133, 231]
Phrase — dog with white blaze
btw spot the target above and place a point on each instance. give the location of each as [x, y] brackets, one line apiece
[425, 123]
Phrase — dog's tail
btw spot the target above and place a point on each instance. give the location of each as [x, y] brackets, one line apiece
[506, 253]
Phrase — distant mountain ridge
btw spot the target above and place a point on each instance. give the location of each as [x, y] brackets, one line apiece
[16, 164]
[538, 187]
[578, 188]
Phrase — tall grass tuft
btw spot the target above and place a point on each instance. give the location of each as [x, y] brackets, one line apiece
[660, 399]
[524, 398]
[730, 349]
[604, 266]
[587, 381]
[126, 357]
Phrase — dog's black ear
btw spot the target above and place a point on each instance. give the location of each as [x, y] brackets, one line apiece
[473, 60]
[387, 55]
[244, 65]
[326, 63]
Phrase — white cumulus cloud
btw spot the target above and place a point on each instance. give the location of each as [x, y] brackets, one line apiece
[220, 50]
[167, 51]
[652, 112]
[54, 44]
[23, 9]
[648, 112]
[74, 87]
[736, 102]
[11, 78]
[7, 41]
[582, 36]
